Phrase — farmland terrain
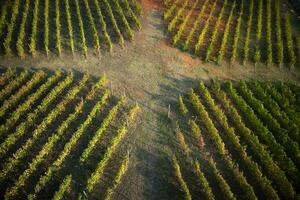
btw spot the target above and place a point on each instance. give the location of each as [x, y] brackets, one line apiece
[149, 71]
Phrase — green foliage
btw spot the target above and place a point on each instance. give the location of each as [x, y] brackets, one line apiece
[15, 98]
[275, 172]
[70, 27]
[10, 28]
[248, 32]
[46, 149]
[182, 143]
[9, 88]
[278, 33]
[46, 31]
[126, 25]
[103, 25]
[131, 14]
[275, 110]
[182, 26]
[31, 117]
[204, 183]
[214, 35]
[182, 106]
[264, 135]
[289, 38]
[170, 10]
[114, 23]
[121, 133]
[251, 166]
[33, 36]
[191, 34]
[52, 109]
[298, 48]
[137, 6]
[118, 178]
[222, 184]
[7, 75]
[58, 26]
[260, 151]
[40, 128]
[200, 110]
[237, 34]
[65, 185]
[257, 54]
[183, 186]
[205, 29]
[81, 28]
[284, 101]
[39, 21]
[196, 131]
[178, 14]
[269, 33]
[219, 144]
[69, 146]
[226, 34]
[20, 41]
[291, 147]
[22, 108]
[99, 133]
[92, 26]
[4, 10]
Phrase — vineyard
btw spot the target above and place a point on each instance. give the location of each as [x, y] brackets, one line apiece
[254, 31]
[63, 136]
[28, 27]
[238, 140]
[149, 99]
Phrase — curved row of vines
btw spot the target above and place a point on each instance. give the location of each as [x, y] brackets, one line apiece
[238, 140]
[57, 125]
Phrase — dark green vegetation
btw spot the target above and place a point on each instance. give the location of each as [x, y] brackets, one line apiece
[296, 5]
[238, 140]
[62, 135]
[29, 26]
[254, 31]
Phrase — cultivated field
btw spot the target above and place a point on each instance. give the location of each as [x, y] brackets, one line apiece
[96, 103]
[62, 136]
[238, 140]
[27, 27]
[253, 31]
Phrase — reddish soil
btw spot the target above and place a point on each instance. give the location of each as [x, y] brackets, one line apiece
[150, 5]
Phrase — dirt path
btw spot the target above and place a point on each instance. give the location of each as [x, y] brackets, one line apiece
[152, 73]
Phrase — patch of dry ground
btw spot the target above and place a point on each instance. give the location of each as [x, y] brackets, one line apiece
[152, 73]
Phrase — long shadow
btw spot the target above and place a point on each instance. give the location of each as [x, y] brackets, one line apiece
[163, 181]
